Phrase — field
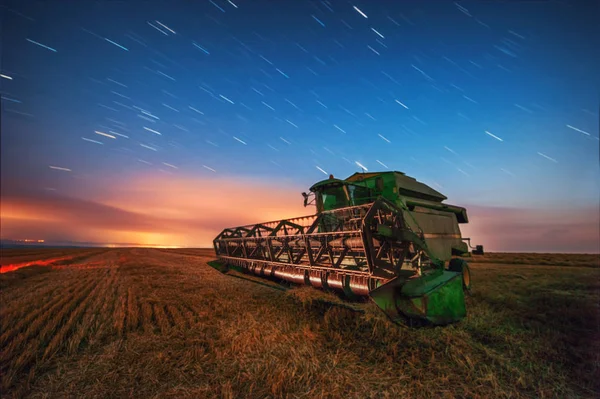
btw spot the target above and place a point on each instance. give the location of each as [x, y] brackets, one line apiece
[162, 323]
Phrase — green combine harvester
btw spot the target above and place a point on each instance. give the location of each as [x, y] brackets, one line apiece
[383, 235]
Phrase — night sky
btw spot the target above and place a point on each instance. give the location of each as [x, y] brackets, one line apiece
[161, 123]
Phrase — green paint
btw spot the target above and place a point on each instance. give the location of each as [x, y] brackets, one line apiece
[437, 298]
[423, 220]
[224, 268]
[384, 230]
[422, 206]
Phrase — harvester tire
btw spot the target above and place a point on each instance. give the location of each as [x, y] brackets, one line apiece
[461, 266]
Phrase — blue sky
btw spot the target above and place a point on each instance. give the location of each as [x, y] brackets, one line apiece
[492, 103]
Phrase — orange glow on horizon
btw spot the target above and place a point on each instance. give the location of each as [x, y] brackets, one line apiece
[154, 211]
[186, 211]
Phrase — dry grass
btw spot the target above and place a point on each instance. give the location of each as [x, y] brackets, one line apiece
[582, 260]
[15, 259]
[21, 255]
[161, 323]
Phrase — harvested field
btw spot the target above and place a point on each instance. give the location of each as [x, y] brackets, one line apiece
[13, 259]
[162, 323]
[583, 260]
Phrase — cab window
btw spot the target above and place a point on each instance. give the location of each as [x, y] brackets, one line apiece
[332, 198]
[359, 195]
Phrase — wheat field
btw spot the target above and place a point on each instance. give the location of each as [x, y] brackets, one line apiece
[151, 323]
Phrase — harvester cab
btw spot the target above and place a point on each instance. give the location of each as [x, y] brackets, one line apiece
[334, 194]
[383, 235]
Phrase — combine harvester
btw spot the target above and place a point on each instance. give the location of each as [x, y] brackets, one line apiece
[383, 235]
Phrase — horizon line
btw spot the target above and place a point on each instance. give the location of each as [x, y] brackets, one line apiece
[161, 246]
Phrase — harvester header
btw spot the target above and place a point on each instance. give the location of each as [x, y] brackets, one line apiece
[383, 235]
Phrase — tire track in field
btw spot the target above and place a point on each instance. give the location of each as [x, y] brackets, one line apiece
[132, 309]
[168, 315]
[180, 310]
[85, 329]
[161, 318]
[185, 314]
[148, 318]
[188, 313]
[62, 336]
[181, 322]
[120, 311]
[104, 321]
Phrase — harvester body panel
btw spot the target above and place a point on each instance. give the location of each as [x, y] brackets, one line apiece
[383, 235]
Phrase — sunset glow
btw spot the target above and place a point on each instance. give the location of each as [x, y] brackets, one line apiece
[184, 212]
[118, 129]
[189, 211]
[229, 199]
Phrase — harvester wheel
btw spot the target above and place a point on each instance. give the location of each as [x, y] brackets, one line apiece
[461, 266]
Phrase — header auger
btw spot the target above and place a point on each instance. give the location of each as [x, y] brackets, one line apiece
[383, 235]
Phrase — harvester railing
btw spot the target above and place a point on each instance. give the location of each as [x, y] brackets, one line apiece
[376, 249]
[370, 239]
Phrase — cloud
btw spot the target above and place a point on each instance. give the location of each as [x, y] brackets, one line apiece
[185, 211]
[563, 229]
[190, 211]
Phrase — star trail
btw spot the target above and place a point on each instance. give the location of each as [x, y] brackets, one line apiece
[494, 102]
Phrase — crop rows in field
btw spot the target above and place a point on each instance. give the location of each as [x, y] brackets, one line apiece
[15, 260]
[163, 323]
[191, 251]
[83, 305]
[575, 260]
[12, 256]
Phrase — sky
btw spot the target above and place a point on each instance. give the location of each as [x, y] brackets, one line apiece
[161, 123]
